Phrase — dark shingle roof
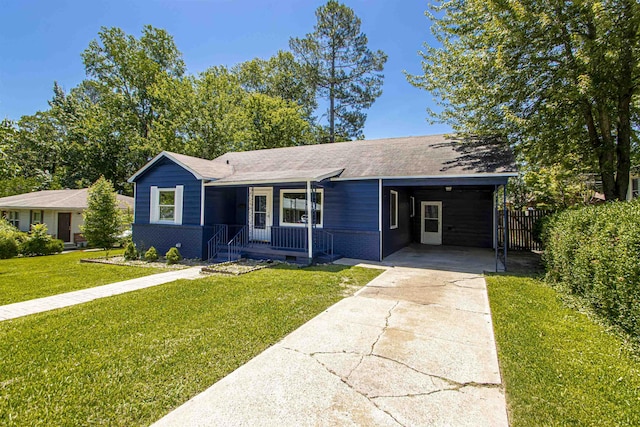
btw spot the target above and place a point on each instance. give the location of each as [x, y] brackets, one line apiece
[56, 199]
[415, 156]
[435, 155]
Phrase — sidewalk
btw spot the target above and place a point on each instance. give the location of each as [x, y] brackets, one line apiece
[25, 308]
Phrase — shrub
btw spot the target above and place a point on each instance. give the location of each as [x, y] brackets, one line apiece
[173, 256]
[595, 252]
[39, 242]
[151, 255]
[130, 251]
[8, 246]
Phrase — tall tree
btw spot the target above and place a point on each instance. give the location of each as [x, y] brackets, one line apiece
[558, 79]
[342, 68]
[280, 76]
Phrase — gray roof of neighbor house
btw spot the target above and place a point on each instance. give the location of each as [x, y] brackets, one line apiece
[56, 199]
[416, 156]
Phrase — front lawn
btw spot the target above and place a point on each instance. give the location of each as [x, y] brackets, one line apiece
[559, 367]
[23, 279]
[129, 359]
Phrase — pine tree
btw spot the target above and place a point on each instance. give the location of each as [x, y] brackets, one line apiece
[102, 218]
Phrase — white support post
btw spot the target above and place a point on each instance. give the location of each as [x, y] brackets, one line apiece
[309, 221]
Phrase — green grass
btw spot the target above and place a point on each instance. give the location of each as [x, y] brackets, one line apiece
[129, 359]
[559, 367]
[23, 279]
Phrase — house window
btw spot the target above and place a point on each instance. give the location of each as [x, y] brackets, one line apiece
[36, 217]
[412, 202]
[393, 211]
[293, 207]
[14, 218]
[166, 205]
[635, 188]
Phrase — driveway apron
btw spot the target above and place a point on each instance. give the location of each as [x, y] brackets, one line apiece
[413, 347]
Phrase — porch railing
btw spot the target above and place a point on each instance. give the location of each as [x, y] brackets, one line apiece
[220, 237]
[239, 241]
[322, 242]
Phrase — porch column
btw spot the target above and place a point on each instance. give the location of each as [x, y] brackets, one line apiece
[309, 221]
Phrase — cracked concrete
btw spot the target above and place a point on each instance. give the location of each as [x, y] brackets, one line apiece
[413, 347]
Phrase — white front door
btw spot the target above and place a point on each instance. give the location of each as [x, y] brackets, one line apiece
[260, 214]
[431, 223]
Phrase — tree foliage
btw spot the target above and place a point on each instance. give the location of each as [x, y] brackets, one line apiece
[341, 67]
[558, 79]
[102, 218]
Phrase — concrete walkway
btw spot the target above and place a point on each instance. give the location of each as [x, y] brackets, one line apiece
[414, 347]
[19, 309]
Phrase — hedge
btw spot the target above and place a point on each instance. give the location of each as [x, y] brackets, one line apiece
[595, 253]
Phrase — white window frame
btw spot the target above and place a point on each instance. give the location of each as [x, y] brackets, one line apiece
[33, 214]
[154, 215]
[412, 202]
[393, 208]
[302, 191]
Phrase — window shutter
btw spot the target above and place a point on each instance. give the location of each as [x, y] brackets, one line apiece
[154, 214]
[178, 204]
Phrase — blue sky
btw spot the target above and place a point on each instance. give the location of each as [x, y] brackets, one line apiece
[41, 42]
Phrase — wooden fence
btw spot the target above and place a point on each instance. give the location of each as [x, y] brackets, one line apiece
[521, 225]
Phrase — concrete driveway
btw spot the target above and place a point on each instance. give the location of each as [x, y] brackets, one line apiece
[413, 347]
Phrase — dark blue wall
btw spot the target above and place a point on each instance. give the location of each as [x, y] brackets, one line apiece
[397, 238]
[163, 237]
[166, 174]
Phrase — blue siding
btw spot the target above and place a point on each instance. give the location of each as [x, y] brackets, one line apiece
[166, 174]
[400, 237]
[352, 205]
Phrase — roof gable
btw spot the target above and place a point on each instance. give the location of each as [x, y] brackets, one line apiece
[201, 169]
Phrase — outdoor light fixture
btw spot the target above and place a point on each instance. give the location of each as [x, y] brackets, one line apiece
[447, 188]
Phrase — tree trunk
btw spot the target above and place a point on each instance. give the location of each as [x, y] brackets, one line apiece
[332, 98]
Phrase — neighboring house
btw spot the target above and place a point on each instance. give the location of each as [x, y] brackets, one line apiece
[368, 199]
[60, 210]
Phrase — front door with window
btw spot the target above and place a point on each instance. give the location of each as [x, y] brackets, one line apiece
[64, 227]
[431, 223]
[260, 214]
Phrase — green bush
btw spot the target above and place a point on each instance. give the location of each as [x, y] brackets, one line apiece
[151, 255]
[173, 256]
[130, 251]
[595, 253]
[39, 242]
[8, 246]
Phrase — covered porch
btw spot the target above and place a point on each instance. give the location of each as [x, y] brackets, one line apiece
[280, 217]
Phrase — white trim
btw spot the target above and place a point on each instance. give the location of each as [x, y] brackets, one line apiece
[476, 175]
[154, 205]
[202, 203]
[259, 234]
[178, 203]
[170, 157]
[380, 216]
[422, 218]
[495, 214]
[393, 207]
[303, 191]
[412, 207]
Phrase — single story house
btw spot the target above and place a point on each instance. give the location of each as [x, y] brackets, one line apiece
[358, 199]
[60, 210]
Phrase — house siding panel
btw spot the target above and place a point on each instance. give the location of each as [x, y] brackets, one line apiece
[398, 238]
[467, 215]
[166, 174]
